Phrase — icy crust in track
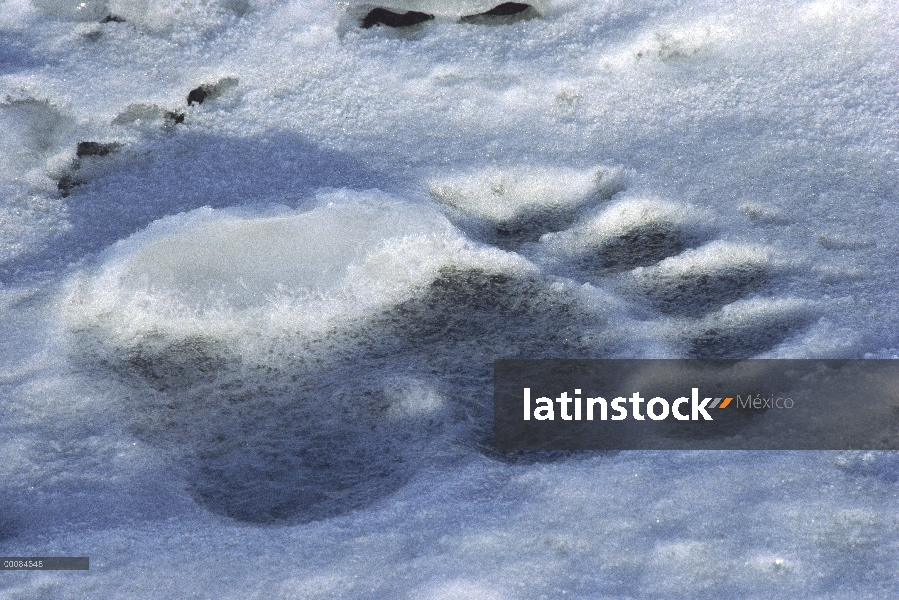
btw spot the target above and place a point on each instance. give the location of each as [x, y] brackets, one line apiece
[232, 275]
[624, 218]
[302, 364]
[505, 195]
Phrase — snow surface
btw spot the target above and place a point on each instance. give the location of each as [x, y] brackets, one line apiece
[248, 354]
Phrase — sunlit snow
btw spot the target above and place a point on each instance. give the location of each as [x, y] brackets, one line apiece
[246, 340]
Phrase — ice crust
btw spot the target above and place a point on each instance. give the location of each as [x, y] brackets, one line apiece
[248, 353]
[323, 268]
[505, 195]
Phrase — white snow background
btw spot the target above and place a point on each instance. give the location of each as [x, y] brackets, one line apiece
[248, 355]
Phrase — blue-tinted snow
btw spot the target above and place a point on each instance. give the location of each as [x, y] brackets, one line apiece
[249, 354]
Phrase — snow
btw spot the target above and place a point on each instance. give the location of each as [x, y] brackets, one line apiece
[248, 351]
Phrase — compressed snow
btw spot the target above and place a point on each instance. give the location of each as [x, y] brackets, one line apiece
[625, 219]
[247, 351]
[499, 196]
[225, 275]
[717, 259]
